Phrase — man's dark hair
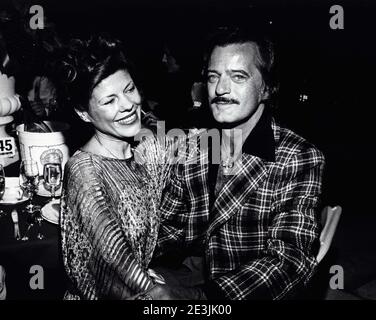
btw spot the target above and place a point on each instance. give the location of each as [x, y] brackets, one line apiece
[224, 36]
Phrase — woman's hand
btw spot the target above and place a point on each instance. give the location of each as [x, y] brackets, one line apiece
[157, 277]
[166, 292]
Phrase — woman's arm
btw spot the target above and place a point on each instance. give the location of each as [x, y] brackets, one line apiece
[91, 232]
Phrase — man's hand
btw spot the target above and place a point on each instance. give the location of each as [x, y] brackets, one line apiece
[166, 292]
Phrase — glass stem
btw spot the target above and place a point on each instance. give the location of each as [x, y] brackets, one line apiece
[30, 204]
[53, 192]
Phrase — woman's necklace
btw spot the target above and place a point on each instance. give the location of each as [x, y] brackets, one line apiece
[108, 150]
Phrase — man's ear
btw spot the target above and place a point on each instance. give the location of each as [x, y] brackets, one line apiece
[83, 115]
[264, 92]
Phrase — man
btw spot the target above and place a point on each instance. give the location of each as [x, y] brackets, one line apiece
[254, 216]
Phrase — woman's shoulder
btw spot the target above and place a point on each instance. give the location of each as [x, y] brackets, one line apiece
[82, 165]
[80, 158]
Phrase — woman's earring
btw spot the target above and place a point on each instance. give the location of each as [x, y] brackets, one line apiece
[83, 115]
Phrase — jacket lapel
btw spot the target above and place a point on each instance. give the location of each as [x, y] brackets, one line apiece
[248, 175]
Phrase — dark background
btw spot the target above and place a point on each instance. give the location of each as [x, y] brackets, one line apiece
[334, 68]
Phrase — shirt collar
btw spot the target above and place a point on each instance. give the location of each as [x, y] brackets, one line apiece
[260, 142]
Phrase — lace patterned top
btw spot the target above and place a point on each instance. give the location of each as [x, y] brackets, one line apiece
[110, 222]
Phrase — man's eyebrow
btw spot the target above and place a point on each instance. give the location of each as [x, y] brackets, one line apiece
[212, 71]
[240, 71]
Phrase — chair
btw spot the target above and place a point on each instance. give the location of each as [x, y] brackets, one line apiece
[329, 219]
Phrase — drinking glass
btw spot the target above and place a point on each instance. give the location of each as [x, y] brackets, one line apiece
[29, 179]
[2, 186]
[38, 218]
[52, 174]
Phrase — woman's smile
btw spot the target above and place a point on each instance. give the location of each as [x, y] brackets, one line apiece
[129, 118]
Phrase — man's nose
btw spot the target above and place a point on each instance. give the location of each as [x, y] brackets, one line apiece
[223, 86]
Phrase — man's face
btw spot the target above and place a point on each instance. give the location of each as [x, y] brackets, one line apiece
[235, 85]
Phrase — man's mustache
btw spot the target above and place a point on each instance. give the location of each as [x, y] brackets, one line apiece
[224, 100]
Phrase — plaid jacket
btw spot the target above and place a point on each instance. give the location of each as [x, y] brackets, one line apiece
[260, 235]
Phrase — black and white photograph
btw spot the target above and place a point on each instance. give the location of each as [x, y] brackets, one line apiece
[207, 151]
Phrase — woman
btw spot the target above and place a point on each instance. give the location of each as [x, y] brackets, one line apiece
[109, 217]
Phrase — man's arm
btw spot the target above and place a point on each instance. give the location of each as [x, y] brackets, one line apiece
[290, 254]
[174, 216]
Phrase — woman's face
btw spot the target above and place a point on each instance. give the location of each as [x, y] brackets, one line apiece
[115, 106]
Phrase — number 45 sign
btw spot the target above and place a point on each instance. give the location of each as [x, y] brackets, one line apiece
[7, 147]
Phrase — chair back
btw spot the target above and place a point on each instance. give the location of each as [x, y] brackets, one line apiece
[330, 218]
[3, 289]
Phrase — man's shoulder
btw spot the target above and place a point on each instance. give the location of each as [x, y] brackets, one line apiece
[290, 145]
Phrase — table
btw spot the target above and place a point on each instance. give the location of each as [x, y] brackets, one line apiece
[19, 257]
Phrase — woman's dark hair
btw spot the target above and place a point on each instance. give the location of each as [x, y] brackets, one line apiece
[266, 64]
[84, 64]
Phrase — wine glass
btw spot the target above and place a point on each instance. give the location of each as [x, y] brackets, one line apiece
[2, 186]
[29, 179]
[38, 218]
[52, 173]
